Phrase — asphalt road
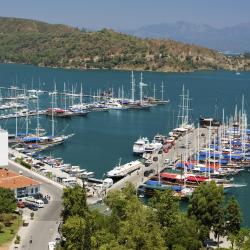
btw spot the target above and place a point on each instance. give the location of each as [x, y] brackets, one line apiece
[46, 220]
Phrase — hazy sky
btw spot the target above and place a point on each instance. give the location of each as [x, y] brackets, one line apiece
[129, 14]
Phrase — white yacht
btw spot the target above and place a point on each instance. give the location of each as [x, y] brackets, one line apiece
[115, 105]
[139, 145]
[153, 147]
[82, 106]
[122, 170]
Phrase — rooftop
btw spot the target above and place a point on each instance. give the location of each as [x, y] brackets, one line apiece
[12, 180]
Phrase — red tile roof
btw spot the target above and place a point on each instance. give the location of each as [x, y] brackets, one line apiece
[12, 180]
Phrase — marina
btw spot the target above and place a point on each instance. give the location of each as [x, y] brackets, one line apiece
[91, 139]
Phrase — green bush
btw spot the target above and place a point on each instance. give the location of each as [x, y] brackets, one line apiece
[17, 240]
[1, 227]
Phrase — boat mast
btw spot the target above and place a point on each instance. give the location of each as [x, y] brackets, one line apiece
[37, 116]
[132, 86]
[119, 93]
[209, 153]
[187, 108]
[230, 147]
[154, 92]
[65, 96]
[52, 116]
[122, 95]
[55, 91]
[220, 145]
[72, 97]
[181, 113]
[162, 90]
[16, 111]
[141, 90]
[243, 128]
[198, 144]
[81, 95]
[27, 114]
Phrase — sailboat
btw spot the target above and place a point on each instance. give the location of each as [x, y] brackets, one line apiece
[137, 104]
[79, 109]
[156, 101]
[40, 142]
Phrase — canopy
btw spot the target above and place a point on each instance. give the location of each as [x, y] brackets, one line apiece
[31, 139]
[169, 175]
[196, 178]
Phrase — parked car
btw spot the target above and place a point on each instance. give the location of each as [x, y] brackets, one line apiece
[52, 245]
[45, 200]
[20, 204]
[155, 158]
[148, 172]
[148, 163]
[31, 206]
[38, 196]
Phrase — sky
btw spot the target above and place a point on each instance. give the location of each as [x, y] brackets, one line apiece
[129, 14]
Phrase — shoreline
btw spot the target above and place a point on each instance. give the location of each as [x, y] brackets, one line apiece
[125, 69]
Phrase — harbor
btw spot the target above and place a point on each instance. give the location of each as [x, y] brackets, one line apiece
[110, 135]
[179, 161]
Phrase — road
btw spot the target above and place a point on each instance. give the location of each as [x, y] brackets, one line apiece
[45, 224]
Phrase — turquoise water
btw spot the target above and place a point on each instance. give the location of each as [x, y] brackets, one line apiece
[102, 138]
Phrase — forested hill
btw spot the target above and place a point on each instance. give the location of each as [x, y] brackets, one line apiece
[39, 43]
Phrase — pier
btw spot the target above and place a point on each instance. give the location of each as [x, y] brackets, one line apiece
[164, 160]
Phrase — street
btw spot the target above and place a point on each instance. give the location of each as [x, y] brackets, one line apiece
[46, 220]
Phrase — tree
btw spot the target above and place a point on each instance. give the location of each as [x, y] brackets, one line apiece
[219, 228]
[114, 245]
[136, 226]
[233, 216]
[74, 202]
[184, 234]
[167, 207]
[118, 201]
[8, 201]
[205, 204]
[74, 231]
[140, 229]
[102, 238]
[243, 239]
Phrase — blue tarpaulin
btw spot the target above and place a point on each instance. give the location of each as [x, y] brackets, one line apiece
[153, 183]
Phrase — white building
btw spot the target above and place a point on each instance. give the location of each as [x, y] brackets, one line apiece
[3, 148]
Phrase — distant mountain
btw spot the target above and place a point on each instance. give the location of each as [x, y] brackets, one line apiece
[235, 38]
[43, 44]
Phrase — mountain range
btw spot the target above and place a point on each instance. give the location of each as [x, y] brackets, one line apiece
[232, 38]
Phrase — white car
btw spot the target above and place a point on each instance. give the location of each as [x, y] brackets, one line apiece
[166, 161]
[52, 245]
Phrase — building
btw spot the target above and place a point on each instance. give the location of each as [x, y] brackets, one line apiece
[21, 185]
[3, 148]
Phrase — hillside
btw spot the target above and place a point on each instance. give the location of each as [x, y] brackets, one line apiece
[38, 43]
